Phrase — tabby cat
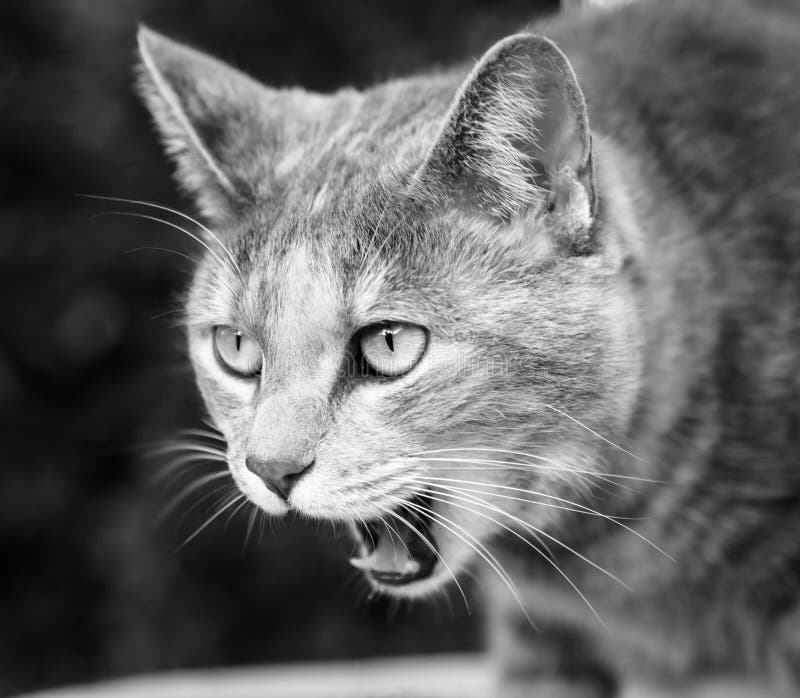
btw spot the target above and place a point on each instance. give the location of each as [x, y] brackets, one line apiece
[538, 318]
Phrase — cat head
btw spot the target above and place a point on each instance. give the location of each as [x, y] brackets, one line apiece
[410, 315]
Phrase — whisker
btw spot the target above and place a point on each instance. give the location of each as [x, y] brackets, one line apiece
[477, 546]
[386, 525]
[156, 219]
[235, 511]
[177, 467]
[173, 311]
[588, 486]
[173, 472]
[211, 519]
[396, 533]
[211, 424]
[589, 489]
[251, 520]
[154, 248]
[585, 480]
[227, 487]
[541, 532]
[576, 506]
[549, 560]
[560, 472]
[188, 447]
[204, 433]
[186, 491]
[591, 431]
[534, 529]
[432, 548]
[583, 508]
[174, 211]
[262, 518]
[559, 464]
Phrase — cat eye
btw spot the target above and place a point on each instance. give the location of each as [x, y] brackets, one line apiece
[392, 349]
[237, 352]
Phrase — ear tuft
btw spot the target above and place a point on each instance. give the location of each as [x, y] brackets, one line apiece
[570, 212]
[518, 121]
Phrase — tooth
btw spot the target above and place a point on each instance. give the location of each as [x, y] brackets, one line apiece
[411, 567]
[389, 555]
[363, 563]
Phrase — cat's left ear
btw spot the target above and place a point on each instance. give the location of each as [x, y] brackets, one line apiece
[517, 136]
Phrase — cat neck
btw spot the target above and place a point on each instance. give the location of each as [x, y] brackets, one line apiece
[667, 271]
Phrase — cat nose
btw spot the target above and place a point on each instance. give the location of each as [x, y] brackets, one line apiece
[280, 475]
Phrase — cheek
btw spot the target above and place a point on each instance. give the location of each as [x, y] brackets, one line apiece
[355, 464]
[228, 400]
[463, 535]
[361, 438]
[229, 410]
[437, 394]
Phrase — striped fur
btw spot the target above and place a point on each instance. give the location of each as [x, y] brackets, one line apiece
[624, 304]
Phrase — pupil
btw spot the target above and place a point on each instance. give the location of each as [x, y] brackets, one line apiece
[238, 341]
[389, 340]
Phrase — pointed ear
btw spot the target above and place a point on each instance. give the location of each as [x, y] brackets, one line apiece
[516, 136]
[213, 121]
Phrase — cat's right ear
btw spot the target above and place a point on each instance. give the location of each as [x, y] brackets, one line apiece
[213, 121]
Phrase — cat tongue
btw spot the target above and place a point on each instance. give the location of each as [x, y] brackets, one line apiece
[390, 557]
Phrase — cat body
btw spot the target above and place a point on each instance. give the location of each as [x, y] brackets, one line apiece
[584, 258]
[689, 96]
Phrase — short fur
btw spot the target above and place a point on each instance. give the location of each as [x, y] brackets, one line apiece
[610, 291]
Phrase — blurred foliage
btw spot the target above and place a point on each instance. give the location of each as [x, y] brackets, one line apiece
[91, 356]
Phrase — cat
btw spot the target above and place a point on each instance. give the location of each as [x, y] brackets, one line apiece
[537, 317]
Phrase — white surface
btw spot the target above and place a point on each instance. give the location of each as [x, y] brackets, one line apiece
[445, 676]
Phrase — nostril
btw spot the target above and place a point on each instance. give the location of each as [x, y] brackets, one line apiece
[256, 466]
[291, 479]
[280, 476]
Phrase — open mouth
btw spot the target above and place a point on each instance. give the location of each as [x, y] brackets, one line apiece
[400, 549]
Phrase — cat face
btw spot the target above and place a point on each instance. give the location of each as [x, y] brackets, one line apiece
[406, 319]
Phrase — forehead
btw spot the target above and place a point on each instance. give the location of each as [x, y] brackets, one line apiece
[362, 259]
[332, 229]
[351, 141]
[332, 238]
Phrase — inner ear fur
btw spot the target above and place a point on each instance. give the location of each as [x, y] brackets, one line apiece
[516, 136]
[219, 126]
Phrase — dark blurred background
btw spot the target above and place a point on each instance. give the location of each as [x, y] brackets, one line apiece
[92, 372]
